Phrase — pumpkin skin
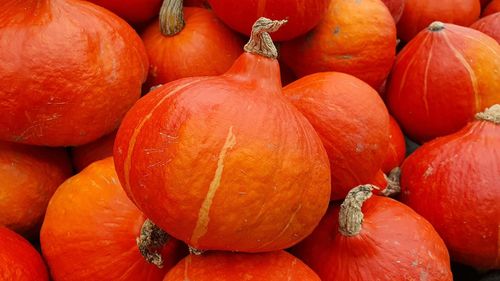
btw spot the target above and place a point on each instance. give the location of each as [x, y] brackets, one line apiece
[418, 14]
[441, 79]
[352, 122]
[443, 174]
[395, 243]
[90, 231]
[493, 7]
[355, 37]
[77, 68]
[19, 260]
[224, 266]
[302, 15]
[84, 155]
[489, 25]
[135, 12]
[28, 177]
[396, 151]
[229, 144]
[204, 47]
[396, 8]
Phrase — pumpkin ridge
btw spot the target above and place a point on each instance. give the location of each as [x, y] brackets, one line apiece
[426, 76]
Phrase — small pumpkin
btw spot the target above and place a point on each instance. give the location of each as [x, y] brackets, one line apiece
[188, 42]
[491, 8]
[396, 151]
[29, 176]
[84, 155]
[20, 261]
[90, 231]
[374, 238]
[73, 71]
[209, 159]
[445, 75]
[460, 172]
[489, 25]
[136, 12]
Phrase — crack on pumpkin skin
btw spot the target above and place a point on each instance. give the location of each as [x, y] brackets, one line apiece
[203, 217]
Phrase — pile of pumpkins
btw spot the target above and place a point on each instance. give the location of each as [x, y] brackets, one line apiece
[249, 140]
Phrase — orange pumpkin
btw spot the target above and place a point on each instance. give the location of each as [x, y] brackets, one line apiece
[28, 177]
[493, 7]
[73, 71]
[351, 120]
[19, 260]
[188, 42]
[443, 77]
[355, 37]
[396, 151]
[135, 12]
[226, 162]
[86, 154]
[224, 266]
[489, 25]
[90, 231]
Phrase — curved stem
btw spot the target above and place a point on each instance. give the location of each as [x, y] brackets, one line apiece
[150, 242]
[171, 17]
[350, 216]
[491, 114]
[393, 186]
[260, 41]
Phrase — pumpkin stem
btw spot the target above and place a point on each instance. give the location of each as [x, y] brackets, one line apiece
[194, 251]
[260, 41]
[491, 114]
[393, 186]
[150, 242]
[436, 26]
[351, 217]
[171, 17]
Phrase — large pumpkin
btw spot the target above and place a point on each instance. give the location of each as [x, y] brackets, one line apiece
[352, 122]
[355, 37]
[454, 182]
[19, 261]
[28, 177]
[374, 238]
[302, 15]
[225, 162]
[133, 11]
[489, 25]
[443, 77]
[71, 71]
[187, 43]
[90, 231]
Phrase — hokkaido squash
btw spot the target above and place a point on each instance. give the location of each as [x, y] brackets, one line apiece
[226, 162]
[444, 76]
[374, 238]
[489, 25]
[135, 12]
[453, 182]
[493, 7]
[71, 71]
[84, 155]
[225, 266]
[188, 42]
[395, 7]
[19, 260]
[90, 231]
[396, 150]
[28, 177]
[352, 122]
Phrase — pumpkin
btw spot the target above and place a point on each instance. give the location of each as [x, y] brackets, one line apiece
[443, 77]
[396, 151]
[489, 25]
[225, 266]
[460, 172]
[195, 3]
[395, 7]
[187, 43]
[76, 70]
[20, 261]
[493, 7]
[86, 154]
[28, 177]
[351, 120]
[418, 14]
[355, 37]
[302, 15]
[90, 231]
[135, 12]
[209, 159]
[374, 238]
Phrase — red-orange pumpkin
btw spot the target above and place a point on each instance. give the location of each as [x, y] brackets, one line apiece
[351, 120]
[493, 7]
[190, 42]
[195, 3]
[376, 239]
[226, 162]
[90, 231]
[224, 266]
[489, 25]
[395, 7]
[134, 11]
[396, 151]
[84, 155]
[454, 182]
[19, 261]
[71, 71]
[418, 14]
[28, 177]
[443, 77]
[302, 15]
[355, 37]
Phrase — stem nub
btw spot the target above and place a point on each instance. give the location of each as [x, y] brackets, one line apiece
[436, 26]
[150, 242]
[491, 114]
[171, 17]
[351, 217]
[393, 186]
[260, 41]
